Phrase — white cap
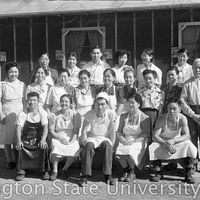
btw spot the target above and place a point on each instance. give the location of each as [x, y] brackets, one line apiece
[103, 95]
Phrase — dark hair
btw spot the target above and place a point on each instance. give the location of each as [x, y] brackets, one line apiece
[33, 94]
[101, 98]
[45, 70]
[174, 100]
[148, 71]
[95, 47]
[129, 70]
[111, 71]
[120, 53]
[183, 50]
[68, 96]
[63, 71]
[173, 68]
[149, 52]
[84, 71]
[135, 96]
[9, 65]
[72, 53]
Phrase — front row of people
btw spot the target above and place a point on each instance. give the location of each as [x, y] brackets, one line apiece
[98, 134]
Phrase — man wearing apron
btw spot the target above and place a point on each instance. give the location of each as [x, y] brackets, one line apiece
[102, 137]
[32, 130]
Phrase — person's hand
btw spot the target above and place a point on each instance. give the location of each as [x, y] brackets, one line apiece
[125, 142]
[172, 149]
[19, 145]
[64, 141]
[170, 142]
[43, 144]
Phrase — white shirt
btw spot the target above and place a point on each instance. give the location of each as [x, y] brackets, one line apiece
[73, 79]
[96, 71]
[119, 71]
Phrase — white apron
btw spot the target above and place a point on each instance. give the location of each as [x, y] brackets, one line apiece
[137, 149]
[183, 149]
[64, 128]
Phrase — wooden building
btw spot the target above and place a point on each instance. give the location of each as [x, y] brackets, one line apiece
[30, 27]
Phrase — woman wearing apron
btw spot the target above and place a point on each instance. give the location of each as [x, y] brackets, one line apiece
[64, 128]
[172, 143]
[133, 134]
[32, 130]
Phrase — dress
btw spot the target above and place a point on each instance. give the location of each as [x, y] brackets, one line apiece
[54, 94]
[64, 127]
[183, 149]
[137, 149]
[11, 94]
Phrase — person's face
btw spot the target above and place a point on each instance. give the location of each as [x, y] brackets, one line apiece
[100, 106]
[13, 73]
[40, 75]
[133, 104]
[146, 59]
[33, 102]
[122, 60]
[173, 109]
[108, 78]
[63, 78]
[96, 55]
[172, 76]
[44, 61]
[196, 69]
[129, 78]
[182, 58]
[84, 80]
[65, 103]
[71, 62]
[149, 80]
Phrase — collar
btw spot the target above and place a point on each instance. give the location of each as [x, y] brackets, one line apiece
[110, 91]
[99, 63]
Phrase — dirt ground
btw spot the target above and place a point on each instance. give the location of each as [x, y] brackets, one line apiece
[32, 187]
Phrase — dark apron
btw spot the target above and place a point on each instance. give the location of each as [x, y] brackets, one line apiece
[31, 156]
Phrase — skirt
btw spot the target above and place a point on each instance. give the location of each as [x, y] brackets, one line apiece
[98, 140]
[183, 150]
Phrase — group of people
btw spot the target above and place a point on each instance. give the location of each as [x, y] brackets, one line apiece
[117, 112]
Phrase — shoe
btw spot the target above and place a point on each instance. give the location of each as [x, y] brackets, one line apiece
[157, 177]
[83, 181]
[64, 174]
[20, 177]
[123, 177]
[131, 176]
[45, 176]
[11, 165]
[109, 180]
[170, 166]
[53, 176]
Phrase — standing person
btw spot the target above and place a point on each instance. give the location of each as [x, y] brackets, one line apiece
[171, 142]
[133, 134]
[185, 69]
[52, 74]
[64, 129]
[172, 88]
[72, 59]
[12, 96]
[32, 130]
[152, 97]
[56, 91]
[84, 93]
[147, 56]
[96, 67]
[190, 97]
[101, 136]
[40, 86]
[122, 57]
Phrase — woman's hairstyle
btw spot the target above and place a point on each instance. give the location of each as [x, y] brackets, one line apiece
[183, 50]
[136, 97]
[148, 71]
[44, 54]
[129, 70]
[111, 71]
[33, 94]
[9, 65]
[173, 68]
[64, 71]
[174, 100]
[149, 52]
[72, 53]
[45, 70]
[68, 96]
[84, 71]
[120, 53]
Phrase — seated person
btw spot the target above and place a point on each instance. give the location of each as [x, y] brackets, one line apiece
[64, 128]
[32, 130]
[171, 142]
[102, 136]
[133, 134]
